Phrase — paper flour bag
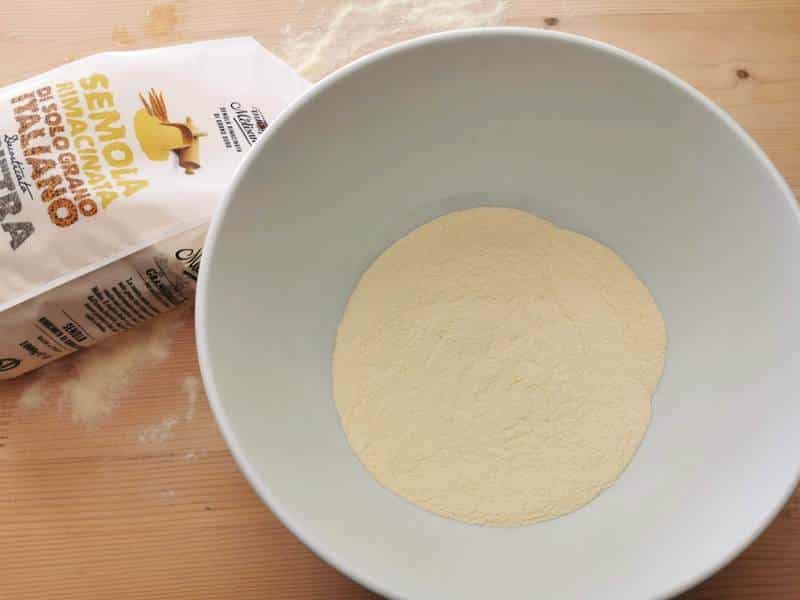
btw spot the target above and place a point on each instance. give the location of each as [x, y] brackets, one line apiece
[110, 168]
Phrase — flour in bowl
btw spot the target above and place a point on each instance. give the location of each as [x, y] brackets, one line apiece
[495, 369]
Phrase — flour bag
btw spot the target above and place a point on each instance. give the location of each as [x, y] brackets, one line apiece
[110, 169]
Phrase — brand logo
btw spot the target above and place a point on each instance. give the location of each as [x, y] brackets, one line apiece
[250, 122]
[191, 257]
[6, 364]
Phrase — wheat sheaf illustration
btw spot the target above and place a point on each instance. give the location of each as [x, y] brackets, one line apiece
[158, 136]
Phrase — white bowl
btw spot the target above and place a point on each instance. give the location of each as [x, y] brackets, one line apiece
[585, 135]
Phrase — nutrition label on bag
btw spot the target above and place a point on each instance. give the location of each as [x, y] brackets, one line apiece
[102, 303]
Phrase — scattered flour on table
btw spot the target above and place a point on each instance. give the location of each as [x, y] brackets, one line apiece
[356, 28]
[34, 395]
[91, 382]
[193, 387]
[42, 388]
[158, 433]
[195, 455]
[161, 432]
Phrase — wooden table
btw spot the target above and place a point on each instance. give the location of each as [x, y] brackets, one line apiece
[92, 512]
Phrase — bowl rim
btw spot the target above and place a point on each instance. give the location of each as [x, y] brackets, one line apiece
[261, 486]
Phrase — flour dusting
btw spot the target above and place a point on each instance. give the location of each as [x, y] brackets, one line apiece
[158, 433]
[35, 395]
[44, 386]
[161, 432]
[356, 28]
[91, 382]
[193, 388]
[196, 455]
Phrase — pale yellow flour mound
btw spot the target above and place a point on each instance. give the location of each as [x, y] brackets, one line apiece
[493, 368]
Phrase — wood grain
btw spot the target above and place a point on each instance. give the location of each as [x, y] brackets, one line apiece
[95, 513]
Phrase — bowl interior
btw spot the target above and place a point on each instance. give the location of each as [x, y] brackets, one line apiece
[594, 140]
